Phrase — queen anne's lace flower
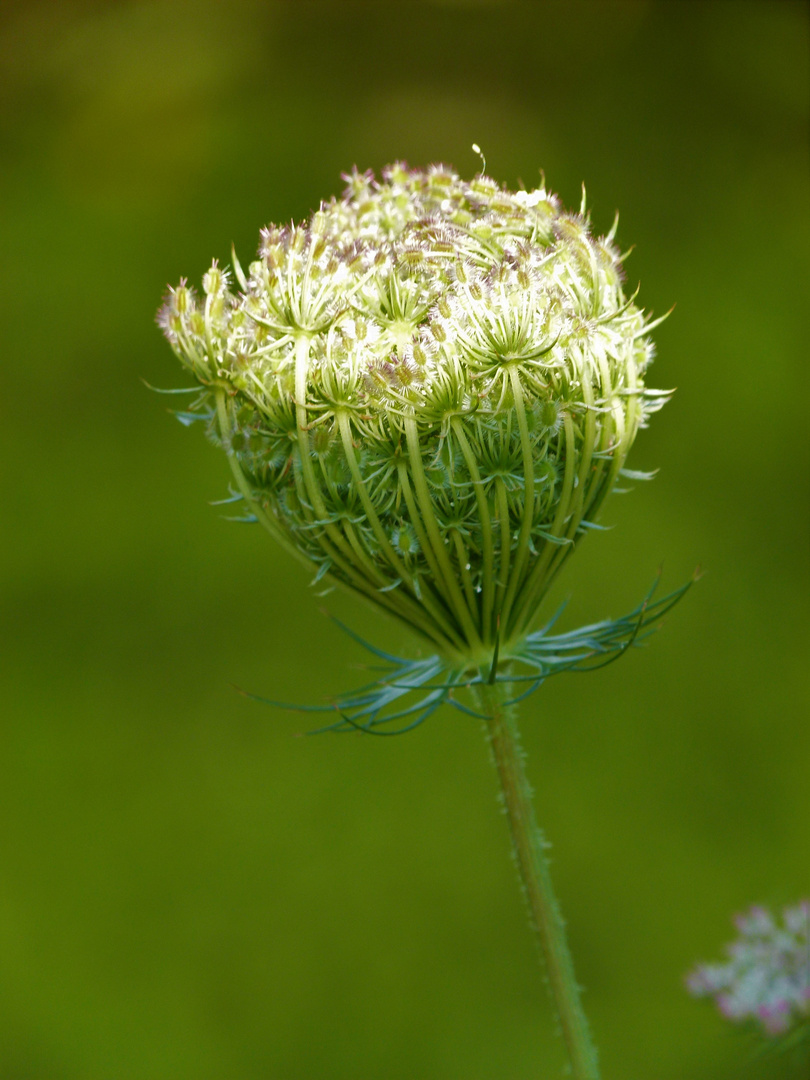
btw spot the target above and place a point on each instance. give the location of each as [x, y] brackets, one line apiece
[767, 978]
[427, 391]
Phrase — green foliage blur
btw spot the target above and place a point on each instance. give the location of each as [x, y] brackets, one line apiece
[188, 891]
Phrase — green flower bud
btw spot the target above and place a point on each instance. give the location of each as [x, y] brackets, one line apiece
[426, 391]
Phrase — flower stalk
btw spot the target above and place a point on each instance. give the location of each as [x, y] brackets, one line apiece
[530, 847]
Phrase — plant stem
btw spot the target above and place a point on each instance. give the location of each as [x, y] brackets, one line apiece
[529, 847]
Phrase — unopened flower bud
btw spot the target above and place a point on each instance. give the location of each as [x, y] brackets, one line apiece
[447, 378]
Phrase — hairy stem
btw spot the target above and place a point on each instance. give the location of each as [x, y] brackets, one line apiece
[529, 847]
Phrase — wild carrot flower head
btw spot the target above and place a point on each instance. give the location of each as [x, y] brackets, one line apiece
[427, 391]
[767, 977]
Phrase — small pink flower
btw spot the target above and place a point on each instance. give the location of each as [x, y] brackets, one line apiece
[775, 1018]
[767, 976]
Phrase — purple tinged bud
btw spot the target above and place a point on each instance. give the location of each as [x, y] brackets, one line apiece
[438, 331]
[181, 298]
[214, 281]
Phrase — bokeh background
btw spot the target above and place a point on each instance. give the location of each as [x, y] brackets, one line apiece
[189, 891]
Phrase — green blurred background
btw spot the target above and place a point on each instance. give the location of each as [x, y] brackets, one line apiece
[186, 889]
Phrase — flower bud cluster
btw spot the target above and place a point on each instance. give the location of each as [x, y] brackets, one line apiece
[427, 390]
[767, 978]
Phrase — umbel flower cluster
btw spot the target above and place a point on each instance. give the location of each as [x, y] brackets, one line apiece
[767, 977]
[426, 391]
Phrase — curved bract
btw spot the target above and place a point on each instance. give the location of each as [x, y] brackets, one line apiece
[426, 391]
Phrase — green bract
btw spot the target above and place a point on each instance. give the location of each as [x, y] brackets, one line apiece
[426, 391]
